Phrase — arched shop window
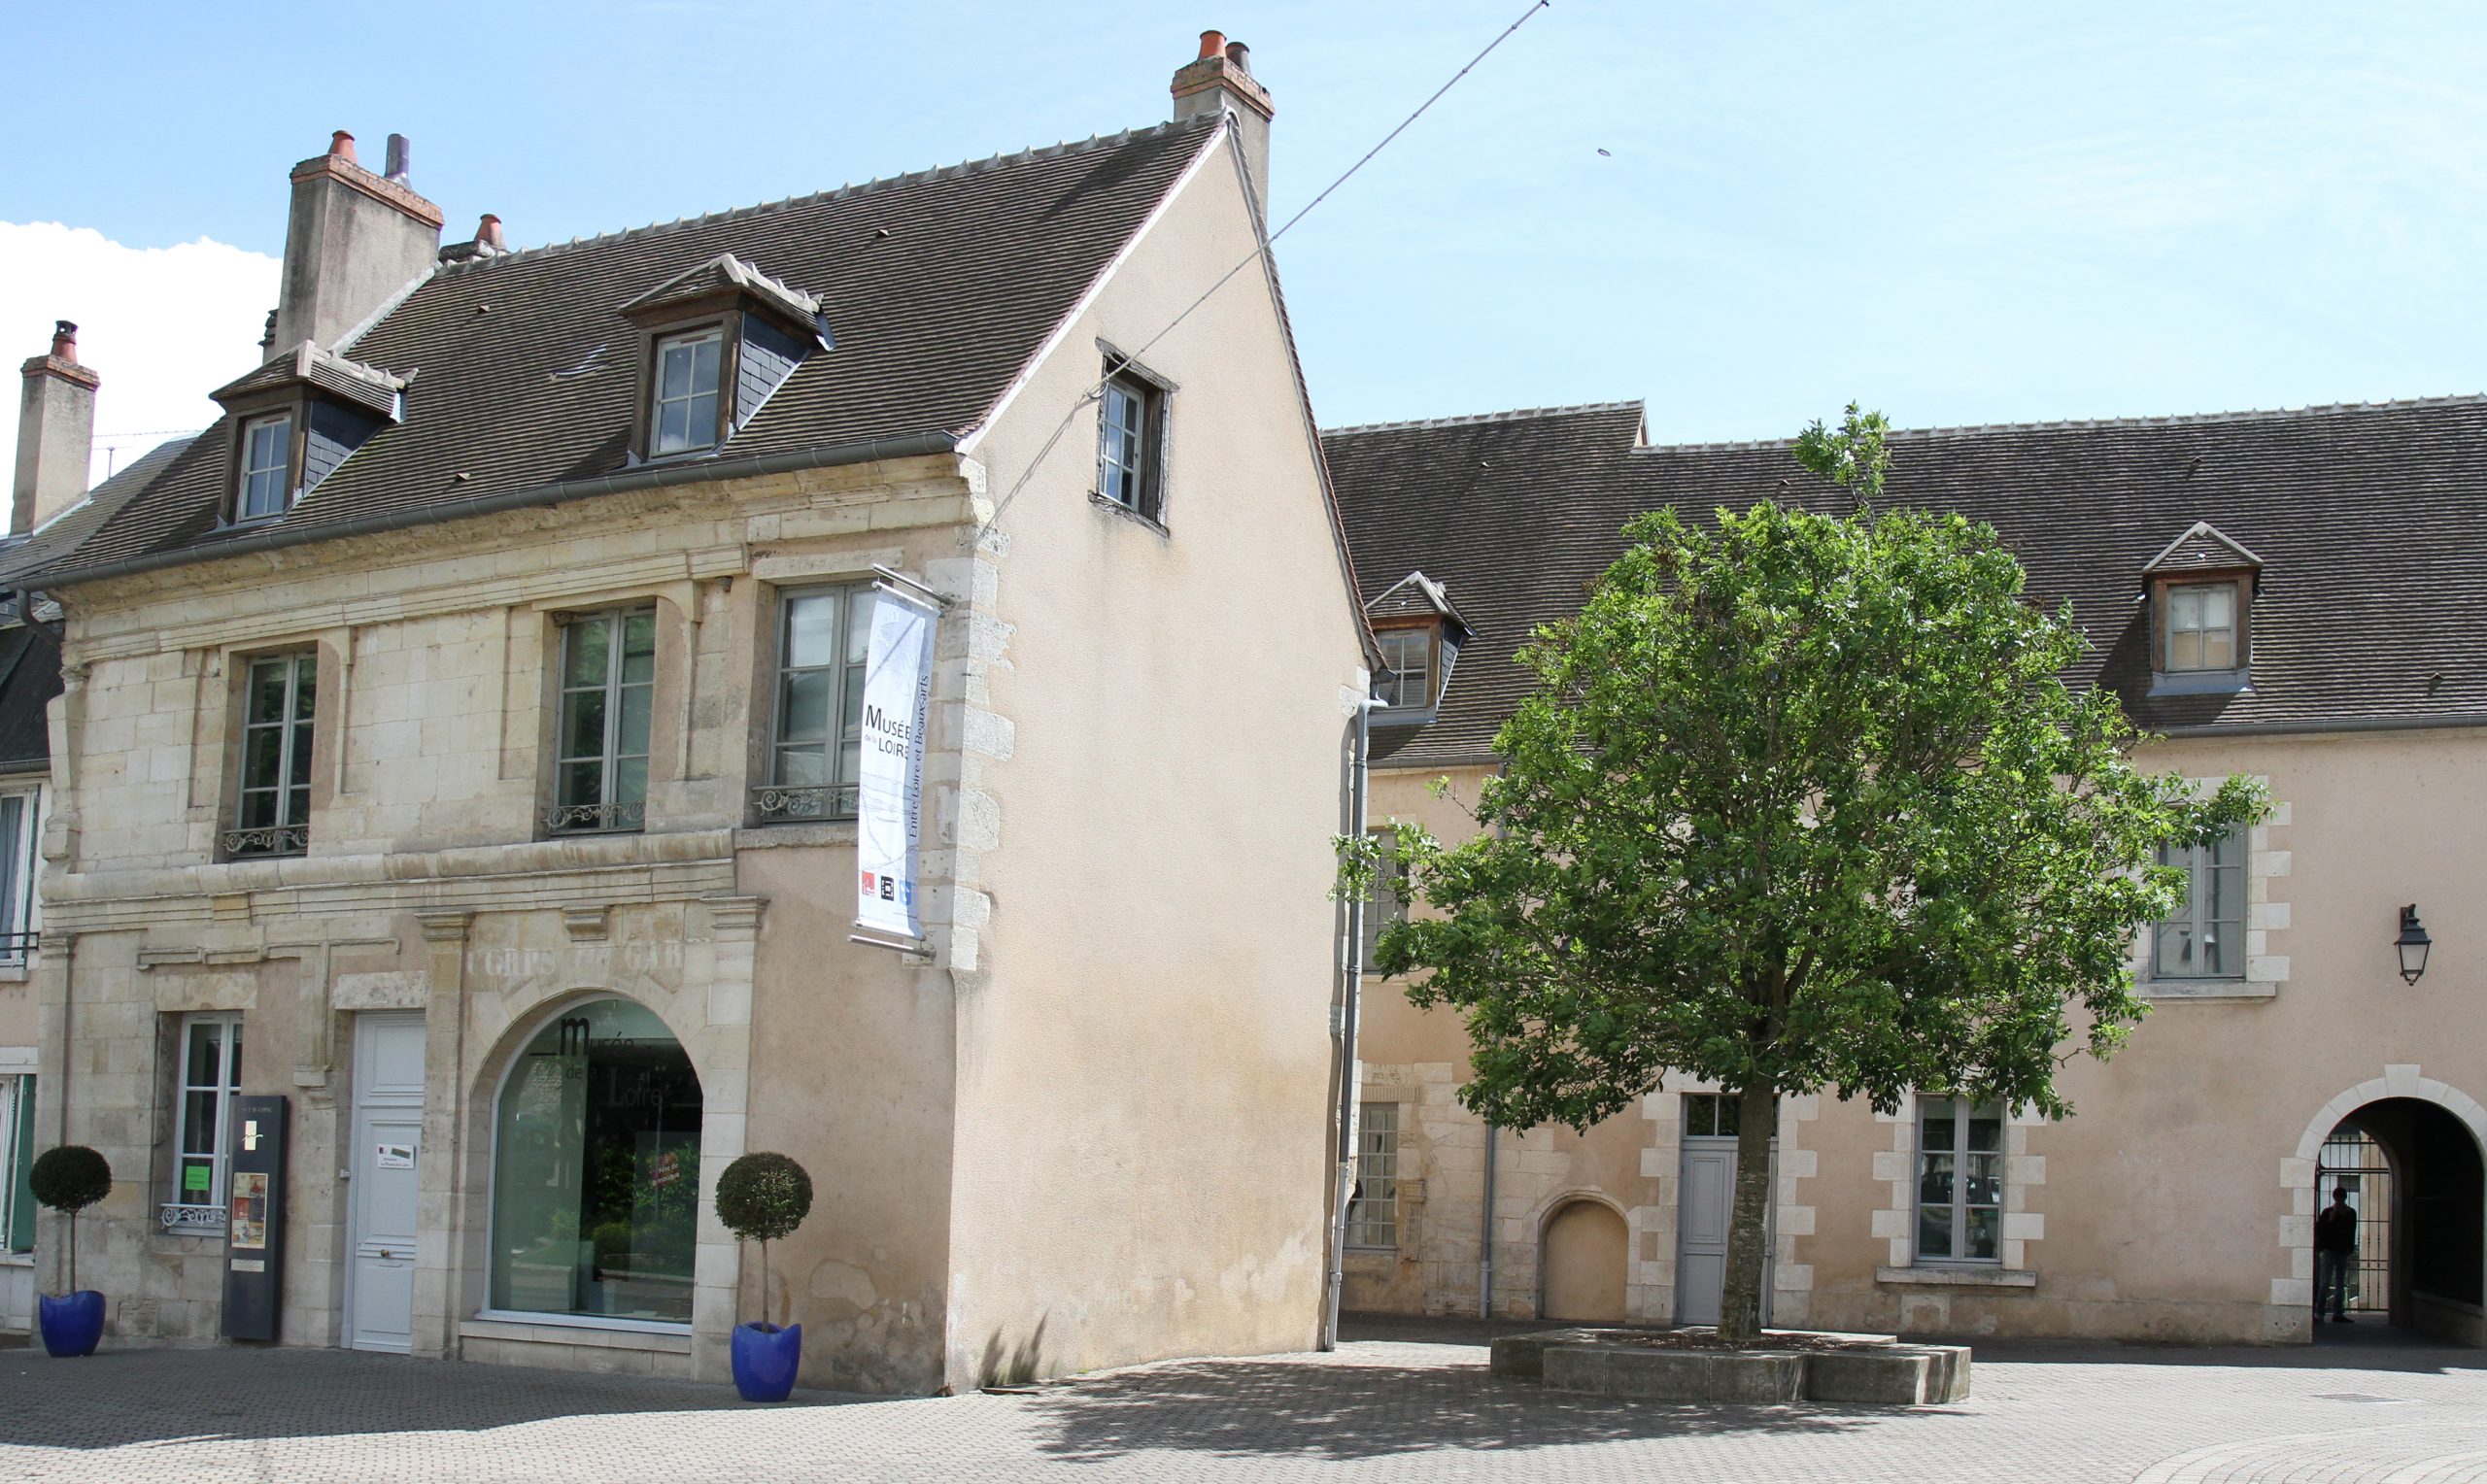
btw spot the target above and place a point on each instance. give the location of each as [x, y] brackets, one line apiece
[596, 1169]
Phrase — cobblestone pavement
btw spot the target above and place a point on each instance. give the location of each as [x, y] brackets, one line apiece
[1399, 1401]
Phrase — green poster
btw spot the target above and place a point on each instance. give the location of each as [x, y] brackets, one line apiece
[195, 1179]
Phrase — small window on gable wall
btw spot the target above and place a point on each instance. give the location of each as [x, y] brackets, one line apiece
[1131, 445]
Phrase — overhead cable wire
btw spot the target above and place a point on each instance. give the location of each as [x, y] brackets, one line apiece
[1123, 361]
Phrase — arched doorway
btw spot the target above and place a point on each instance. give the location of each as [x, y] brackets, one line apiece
[1587, 1249]
[2414, 1172]
[596, 1169]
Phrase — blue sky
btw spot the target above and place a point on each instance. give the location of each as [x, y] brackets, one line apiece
[1953, 213]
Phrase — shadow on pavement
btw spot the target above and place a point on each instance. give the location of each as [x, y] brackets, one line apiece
[1344, 1411]
[117, 1398]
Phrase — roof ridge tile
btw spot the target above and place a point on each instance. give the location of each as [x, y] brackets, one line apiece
[1514, 414]
[830, 193]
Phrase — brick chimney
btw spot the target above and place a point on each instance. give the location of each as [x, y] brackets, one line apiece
[352, 240]
[1221, 78]
[55, 432]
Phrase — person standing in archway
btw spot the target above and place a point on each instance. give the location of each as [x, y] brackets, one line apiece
[2336, 1247]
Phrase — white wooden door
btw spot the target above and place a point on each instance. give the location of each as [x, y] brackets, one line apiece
[1705, 1213]
[385, 1157]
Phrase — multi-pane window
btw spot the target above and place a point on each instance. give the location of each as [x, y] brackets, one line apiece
[685, 414]
[2206, 937]
[272, 815]
[16, 1164]
[2201, 626]
[1959, 1181]
[211, 1075]
[1130, 431]
[16, 876]
[1389, 902]
[608, 694]
[1373, 1215]
[1712, 1115]
[818, 729]
[1406, 674]
[267, 467]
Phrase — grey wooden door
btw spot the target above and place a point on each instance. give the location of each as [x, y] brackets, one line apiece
[388, 1150]
[1705, 1211]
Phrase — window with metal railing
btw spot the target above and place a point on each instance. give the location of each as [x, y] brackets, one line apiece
[816, 724]
[272, 812]
[607, 701]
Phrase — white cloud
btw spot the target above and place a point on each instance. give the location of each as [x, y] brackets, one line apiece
[162, 327]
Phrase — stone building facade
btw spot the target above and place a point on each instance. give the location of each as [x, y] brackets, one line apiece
[2177, 1203]
[451, 744]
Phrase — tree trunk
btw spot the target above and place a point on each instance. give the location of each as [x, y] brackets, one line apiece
[73, 1249]
[1749, 1228]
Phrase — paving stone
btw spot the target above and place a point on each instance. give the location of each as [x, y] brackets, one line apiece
[1400, 1401]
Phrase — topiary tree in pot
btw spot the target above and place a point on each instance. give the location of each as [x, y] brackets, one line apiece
[69, 1179]
[762, 1197]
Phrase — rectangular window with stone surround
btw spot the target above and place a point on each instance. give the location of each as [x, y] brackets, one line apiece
[16, 1164]
[2206, 937]
[1959, 1181]
[272, 807]
[816, 728]
[608, 700]
[207, 1078]
[1373, 1215]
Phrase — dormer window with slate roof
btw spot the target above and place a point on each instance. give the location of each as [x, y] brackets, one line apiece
[2201, 591]
[295, 419]
[1419, 634]
[718, 341]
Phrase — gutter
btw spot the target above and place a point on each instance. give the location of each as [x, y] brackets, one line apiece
[2347, 724]
[644, 477]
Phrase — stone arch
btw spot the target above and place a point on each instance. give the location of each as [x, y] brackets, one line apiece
[2399, 1082]
[1584, 1257]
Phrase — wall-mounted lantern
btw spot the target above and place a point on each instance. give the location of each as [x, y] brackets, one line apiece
[2414, 944]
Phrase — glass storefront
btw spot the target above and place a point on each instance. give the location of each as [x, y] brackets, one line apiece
[596, 1169]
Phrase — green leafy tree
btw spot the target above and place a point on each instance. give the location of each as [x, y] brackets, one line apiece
[1800, 803]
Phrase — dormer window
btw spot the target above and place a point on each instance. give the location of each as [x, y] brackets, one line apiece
[295, 419]
[2201, 625]
[685, 416]
[2200, 595]
[718, 341]
[267, 467]
[1406, 674]
[1418, 634]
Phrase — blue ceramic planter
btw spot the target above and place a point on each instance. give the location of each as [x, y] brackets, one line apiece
[765, 1361]
[72, 1323]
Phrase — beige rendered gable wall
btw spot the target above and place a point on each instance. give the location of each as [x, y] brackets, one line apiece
[1143, 1062]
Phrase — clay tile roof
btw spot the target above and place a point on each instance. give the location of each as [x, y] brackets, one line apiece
[2369, 522]
[938, 286]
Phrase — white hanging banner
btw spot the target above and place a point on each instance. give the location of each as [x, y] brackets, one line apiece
[889, 803]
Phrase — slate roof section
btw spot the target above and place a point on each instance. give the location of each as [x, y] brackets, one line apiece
[21, 556]
[2370, 521]
[936, 288]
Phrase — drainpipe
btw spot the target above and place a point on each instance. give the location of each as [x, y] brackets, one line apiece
[1347, 1112]
[1485, 1231]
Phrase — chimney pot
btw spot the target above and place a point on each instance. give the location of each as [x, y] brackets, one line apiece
[1212, 43]
[1240, 54]
[64, 341]
[341, 144]
[1220, 81]
[401, 162]
[489, 232]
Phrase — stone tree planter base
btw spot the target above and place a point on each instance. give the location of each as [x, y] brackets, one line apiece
[1682, 1365]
